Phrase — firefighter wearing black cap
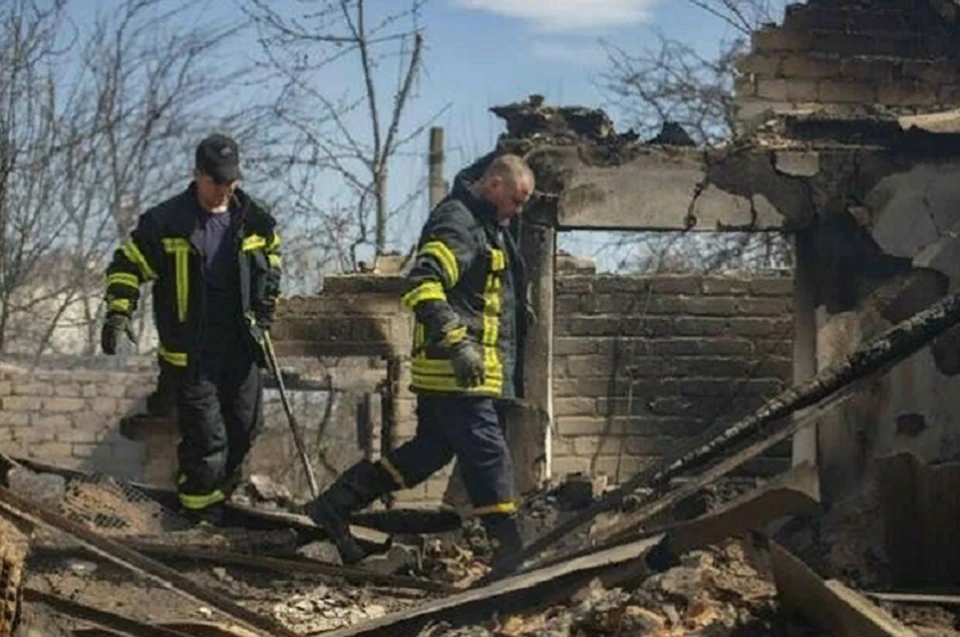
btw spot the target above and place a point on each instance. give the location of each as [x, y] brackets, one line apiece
[467, 291]
[213, 255]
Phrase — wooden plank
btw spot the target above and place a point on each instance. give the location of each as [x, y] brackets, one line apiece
[514, 594]
[921, 514]
[634, 520]
[873, 357]
[414, 521]
[21, 509]
[833, 607]
[916, 598]
[103, 619]
[208, 629]
[795, 491]
[305, 566]
[538, 246]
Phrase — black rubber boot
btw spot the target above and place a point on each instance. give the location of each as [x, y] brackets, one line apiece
[503, 533]
[354, 489]
[212, 515]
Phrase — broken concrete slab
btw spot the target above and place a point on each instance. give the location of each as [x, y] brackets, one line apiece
[832, 606]
[658, 189]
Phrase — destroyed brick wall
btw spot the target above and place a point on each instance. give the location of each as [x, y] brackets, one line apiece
[854, 58]
[72, 417]
[644, 363]
[702, 347]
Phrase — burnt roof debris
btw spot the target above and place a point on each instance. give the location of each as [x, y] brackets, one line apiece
[531, 119]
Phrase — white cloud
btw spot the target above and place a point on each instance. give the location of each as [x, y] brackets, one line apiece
[568, 15]
[568, 52]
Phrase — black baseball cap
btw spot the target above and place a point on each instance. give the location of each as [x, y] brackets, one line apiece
[219, 157]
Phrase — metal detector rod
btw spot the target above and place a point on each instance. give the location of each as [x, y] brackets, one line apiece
[291, 419]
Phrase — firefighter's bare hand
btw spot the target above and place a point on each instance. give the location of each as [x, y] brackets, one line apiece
[468, 364]
[115, 325]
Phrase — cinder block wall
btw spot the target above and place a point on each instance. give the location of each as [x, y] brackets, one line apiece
[70, 417]
[642, 364]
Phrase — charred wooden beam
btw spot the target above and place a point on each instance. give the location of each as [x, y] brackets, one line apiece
[304, 566]
[881, 353]
[793, 492]
[395, 521]
[519, 593]
[21, 509]
[833, 607]
[109, 621]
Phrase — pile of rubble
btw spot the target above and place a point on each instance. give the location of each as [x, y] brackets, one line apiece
[714, 593]
[327, 608]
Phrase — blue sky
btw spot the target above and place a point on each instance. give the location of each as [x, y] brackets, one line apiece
[481, 53]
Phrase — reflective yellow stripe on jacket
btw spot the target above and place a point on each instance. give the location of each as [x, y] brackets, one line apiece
[437, 374]
[180, 249]
[133, 253]
[125, 279]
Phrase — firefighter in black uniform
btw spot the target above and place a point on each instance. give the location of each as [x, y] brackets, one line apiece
[465, 290]
[213, 256]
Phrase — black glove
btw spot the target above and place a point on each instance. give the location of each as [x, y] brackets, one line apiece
[110, 334]
[264, 313]
[467, 364]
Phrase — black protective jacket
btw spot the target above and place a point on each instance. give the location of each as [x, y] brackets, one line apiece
[467, 283]
[161, 250]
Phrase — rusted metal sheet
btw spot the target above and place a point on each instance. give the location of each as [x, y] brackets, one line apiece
[921, 515]
[514, 594]
[833, 607]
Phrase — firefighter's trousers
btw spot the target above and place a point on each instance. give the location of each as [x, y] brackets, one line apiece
[469, 428]
[220, 414]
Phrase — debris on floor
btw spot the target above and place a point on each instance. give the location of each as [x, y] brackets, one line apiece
[715, 593]
[327, 608]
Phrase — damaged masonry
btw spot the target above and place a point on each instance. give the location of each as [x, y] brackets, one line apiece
[726, 456]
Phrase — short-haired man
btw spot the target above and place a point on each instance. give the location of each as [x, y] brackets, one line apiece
[465, 289]
[213, 256]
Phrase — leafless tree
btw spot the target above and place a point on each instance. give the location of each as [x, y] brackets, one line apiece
[92, 114]
[340, 133]
[671, 82]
